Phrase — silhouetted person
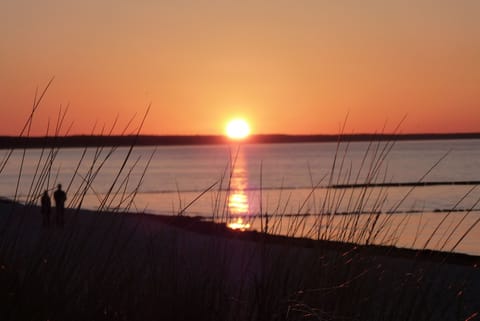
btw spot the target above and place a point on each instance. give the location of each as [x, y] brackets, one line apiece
[60, 198]
[46, 208]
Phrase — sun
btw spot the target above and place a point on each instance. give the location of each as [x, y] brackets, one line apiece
[237, 129]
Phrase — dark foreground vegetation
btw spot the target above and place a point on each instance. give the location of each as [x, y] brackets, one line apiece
[104, 266]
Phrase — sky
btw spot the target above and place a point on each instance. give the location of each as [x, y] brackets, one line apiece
[286, 66]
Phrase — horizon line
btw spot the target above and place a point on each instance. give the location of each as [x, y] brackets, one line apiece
[7, 142]
[376, 134]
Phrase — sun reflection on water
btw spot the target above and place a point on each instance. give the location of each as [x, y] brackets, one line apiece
[239, 224]
[237, 198]
[238, 203]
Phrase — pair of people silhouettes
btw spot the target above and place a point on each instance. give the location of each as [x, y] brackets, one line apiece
[60, 197]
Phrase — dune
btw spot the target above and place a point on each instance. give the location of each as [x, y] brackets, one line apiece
[133, 266]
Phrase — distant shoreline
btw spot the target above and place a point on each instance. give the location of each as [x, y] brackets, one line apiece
[7, 142]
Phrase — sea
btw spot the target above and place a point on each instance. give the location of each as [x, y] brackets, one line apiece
[415, 194]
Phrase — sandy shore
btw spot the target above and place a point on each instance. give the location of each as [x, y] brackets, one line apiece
[107, 266]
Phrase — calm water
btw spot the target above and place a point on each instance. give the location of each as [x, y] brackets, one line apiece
[278, 179]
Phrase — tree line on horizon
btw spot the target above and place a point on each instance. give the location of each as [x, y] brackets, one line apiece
[7, 142]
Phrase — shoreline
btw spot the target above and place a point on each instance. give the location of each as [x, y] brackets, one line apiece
[204, 226]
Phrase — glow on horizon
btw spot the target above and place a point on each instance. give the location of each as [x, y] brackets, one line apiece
[293, 68]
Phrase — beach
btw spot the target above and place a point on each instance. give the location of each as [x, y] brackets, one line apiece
[112, 266]
[239, 161]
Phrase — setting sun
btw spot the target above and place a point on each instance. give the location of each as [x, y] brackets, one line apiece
[237, 129]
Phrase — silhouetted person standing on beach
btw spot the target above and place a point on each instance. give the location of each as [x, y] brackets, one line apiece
[60, 198]
[46, 209]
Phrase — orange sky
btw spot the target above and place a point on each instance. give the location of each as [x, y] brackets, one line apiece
[294, 67]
